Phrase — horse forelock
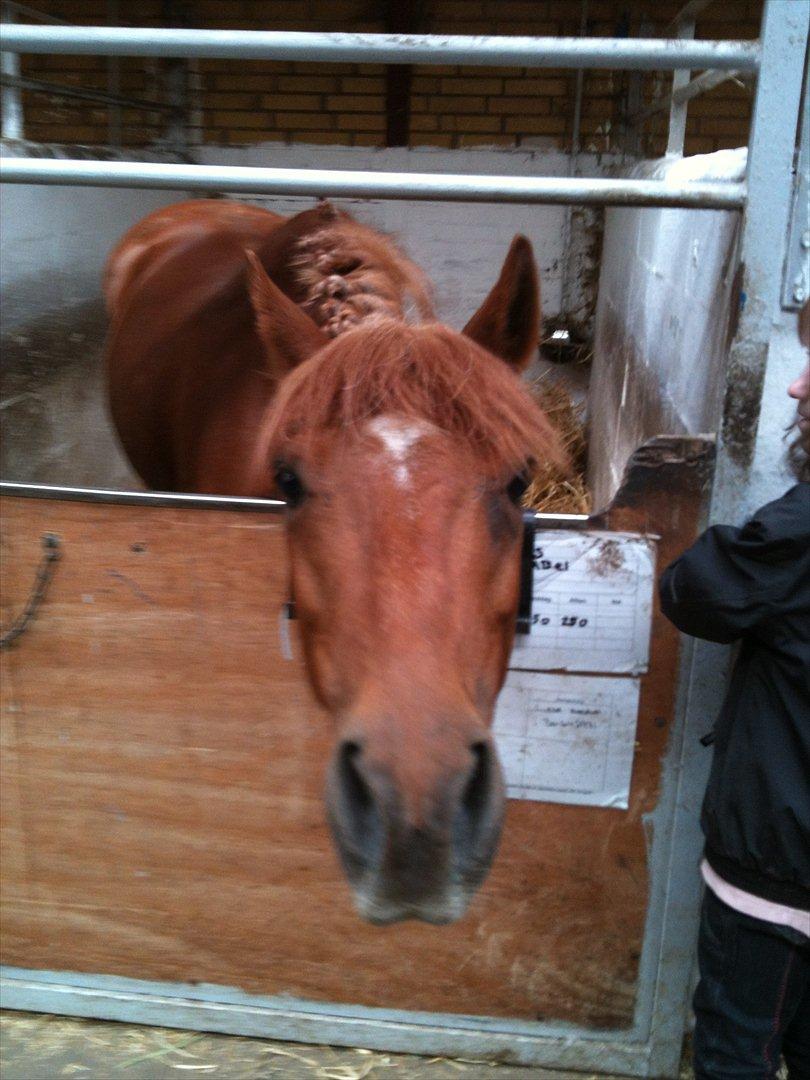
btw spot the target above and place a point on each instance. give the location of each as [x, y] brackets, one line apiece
[425, 373]
[350, 275]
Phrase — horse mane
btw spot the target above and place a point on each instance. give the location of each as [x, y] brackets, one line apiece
[348, 274]
[425, 372]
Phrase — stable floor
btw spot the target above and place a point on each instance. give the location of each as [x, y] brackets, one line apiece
[41, 1047]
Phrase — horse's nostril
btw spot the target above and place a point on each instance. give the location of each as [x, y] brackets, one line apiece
[477, 822]
[355, 789]
[355, 816]
[476, 789]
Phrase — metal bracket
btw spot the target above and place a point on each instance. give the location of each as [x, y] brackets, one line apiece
[796, 278]
[524, 612]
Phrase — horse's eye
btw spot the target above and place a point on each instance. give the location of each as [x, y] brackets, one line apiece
[289, 484]
[517, 488]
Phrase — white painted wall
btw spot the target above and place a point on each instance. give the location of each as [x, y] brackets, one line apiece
[662, 319]
[55, 241]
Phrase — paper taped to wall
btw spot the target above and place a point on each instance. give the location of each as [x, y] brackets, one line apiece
[567, 738]
[592, 603]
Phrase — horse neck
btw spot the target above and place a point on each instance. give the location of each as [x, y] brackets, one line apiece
[350, 276]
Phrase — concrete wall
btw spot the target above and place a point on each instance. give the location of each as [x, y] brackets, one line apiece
[662, 320]
[56, 239]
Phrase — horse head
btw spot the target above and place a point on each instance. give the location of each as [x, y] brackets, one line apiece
[402, 453]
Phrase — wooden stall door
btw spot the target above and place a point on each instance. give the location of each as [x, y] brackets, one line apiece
[163, 768]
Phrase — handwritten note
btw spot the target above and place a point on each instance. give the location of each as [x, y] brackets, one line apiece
[592, 603]
[567, 738]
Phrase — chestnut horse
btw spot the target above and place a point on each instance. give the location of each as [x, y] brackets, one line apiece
[255, 355]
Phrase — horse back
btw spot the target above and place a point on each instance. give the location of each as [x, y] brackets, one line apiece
[187, 375]
[164, 234]
[184, 364]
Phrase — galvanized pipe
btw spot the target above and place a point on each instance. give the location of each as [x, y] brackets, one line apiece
[11, 109]
[319, 183]
[680, 80]
[701, 84]
[13, 489]
[536, 52]
[690, 11]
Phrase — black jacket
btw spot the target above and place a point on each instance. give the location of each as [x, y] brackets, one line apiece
[753, 584]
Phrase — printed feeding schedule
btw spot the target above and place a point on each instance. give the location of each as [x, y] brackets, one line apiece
[591, 603]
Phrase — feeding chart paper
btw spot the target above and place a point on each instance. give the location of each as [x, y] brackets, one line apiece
[567, 738]
[592, 603]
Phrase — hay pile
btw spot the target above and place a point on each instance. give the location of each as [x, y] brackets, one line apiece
[550, 492]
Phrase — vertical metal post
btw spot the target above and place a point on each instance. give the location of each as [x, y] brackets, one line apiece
[571, 293]
[632, 136]
[576, 121]
[11, 96]
[677, 111]
[174, 78]
[114, 127]
[796, 285]
[765, 225]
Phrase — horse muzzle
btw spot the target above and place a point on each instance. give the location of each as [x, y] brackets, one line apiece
[414, 854]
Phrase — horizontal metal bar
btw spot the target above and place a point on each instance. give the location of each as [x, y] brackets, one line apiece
[538, 521]
[222, 1009]
[538, 52]
[37, 86]
[320, 183]
[139, 498]
[531, 519]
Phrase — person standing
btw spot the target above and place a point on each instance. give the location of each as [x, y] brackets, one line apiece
[751, 585]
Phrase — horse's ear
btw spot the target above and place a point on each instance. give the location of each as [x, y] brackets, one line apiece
[508, 321]
[287, 333]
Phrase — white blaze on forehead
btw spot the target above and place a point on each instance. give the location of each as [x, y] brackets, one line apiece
[398, 436]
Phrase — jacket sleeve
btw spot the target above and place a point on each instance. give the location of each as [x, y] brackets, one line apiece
[733, 579]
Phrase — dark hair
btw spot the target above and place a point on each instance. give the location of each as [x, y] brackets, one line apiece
[798, 460]
[798, 451]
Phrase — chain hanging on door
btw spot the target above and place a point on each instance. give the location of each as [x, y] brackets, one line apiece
[51, 554]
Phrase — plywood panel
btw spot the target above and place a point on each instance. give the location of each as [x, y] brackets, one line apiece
[162, 775]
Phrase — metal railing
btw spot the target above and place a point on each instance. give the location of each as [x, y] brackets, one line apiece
[529, 52]
[684, 88]
[534, 52]
[323, 183]
[678, 54]
[12, 83]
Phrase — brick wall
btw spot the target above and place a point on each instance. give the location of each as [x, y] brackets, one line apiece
[345, 104]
